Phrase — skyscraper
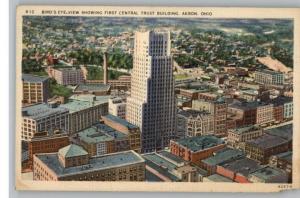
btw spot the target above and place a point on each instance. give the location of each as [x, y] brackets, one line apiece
[151, 105]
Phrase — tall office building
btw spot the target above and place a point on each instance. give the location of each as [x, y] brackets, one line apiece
[151, 105]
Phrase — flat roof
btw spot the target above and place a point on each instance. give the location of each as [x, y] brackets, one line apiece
[288, 156]
[92, 135]
[243, 166]
[192, 113]
[267, 172]
[92, 87]
[285, 132]
[120, 121]
[267, 141]
[78, 103]
[34, 78]
[199, 143]
[245, 129]
[267, 71]
[42, 110]
[171, 156]
[103, 162]
[225, 155]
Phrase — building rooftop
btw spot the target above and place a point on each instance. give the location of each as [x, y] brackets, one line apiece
[288, 156]
[171, 156]
[42, 110]
[218, 178]
[267, 71]
[49, 134]
[267, 141]
[33, 78]
[245, 105]
[243, 166]
[92, 136]
[72, 150]
[103, 162]
[199, 143]
[267, 173]
[245, 129]
[78, 103]
[224, 155]
[285, 132]
[92, 87]
[192, 113]
[120, 121]
[280, 100]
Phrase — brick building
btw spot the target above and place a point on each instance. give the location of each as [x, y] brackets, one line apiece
[194, 123]
[262, 148]
[67, 75]
[123, 126]
[194, 149]
[283, 161]
[47, 142]
[264, 113]
[238, 170]
[238, 136]
[218, 108]
[268, 175]
[72, 163]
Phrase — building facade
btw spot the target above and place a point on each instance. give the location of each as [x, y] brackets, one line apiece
[72, 163]
[85, 110]
[43, 118]
[35, 89]
[194, 123]
[218, 108]
[152, 105]
[123, 126]
[269, 77]
[264, 114]
[68, 76]
[238, 136]
[117, 107]
[195, 149]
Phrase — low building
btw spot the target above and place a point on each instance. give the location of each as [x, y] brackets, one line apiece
[72, 163]
[123, 126]
[192, 123]
[189, 93]
[262, 148]
[67, 75]
[283, 161]
[43, 118]
[220, 157]
[264, 113]
[85, 110]
[117, 107]
[97, 89]
[269, 77]
[268, 175]
[195, 149]
[218, 108]
[47, 142]
[95, 141]
[238, 170]
[35, 89]
[238, 136]
[169, 167]
[285, 132]
[247, 111]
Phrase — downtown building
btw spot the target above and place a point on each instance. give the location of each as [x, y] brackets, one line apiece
[35, 89]
[269, 77]
[152, 104]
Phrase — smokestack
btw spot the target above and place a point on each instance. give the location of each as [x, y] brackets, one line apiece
[105, 68]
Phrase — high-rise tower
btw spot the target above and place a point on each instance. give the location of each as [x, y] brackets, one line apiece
[151, 105]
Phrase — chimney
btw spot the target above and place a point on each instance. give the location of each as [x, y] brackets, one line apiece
[105, 72]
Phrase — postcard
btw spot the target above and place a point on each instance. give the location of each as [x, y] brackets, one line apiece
[178, 99]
